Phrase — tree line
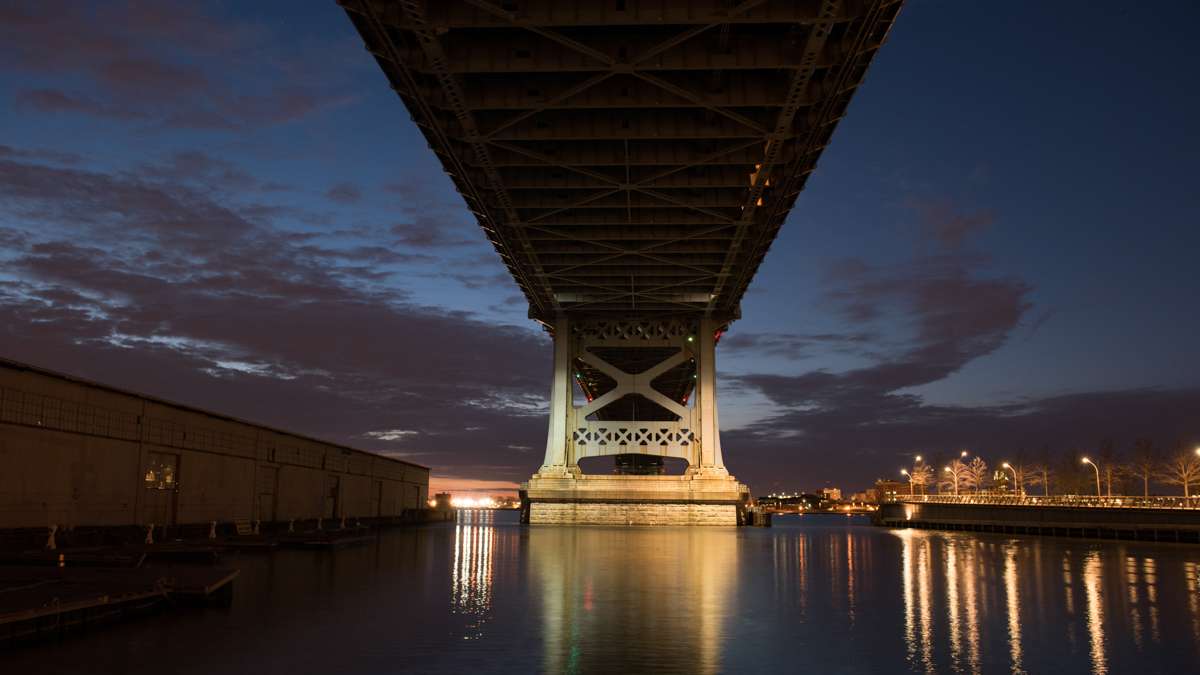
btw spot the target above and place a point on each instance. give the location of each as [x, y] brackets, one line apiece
[1142, 469]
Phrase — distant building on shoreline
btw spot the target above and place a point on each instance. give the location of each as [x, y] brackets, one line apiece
[832, 494]
[887, 490]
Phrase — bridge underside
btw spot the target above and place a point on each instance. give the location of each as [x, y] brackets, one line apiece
[631, 162]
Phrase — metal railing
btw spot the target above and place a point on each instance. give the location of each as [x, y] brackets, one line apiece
[1123, 502]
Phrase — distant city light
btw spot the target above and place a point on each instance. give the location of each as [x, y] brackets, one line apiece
[473, 502]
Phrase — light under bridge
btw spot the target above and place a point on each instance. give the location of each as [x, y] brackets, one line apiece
[631, 162]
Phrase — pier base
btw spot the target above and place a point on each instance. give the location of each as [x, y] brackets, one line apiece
[635, 500]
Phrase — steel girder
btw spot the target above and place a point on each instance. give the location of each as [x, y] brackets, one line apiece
[627, 158]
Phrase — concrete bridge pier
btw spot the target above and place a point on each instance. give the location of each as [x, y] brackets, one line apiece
[637, 378]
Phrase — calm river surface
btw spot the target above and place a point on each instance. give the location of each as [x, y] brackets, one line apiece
[827, 594]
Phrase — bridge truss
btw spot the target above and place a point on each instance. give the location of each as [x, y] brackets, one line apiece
[631, 161]
[627, 157]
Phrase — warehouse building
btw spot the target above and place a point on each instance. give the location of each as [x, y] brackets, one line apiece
[75, 453]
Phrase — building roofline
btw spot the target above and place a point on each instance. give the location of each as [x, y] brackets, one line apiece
[19, 365]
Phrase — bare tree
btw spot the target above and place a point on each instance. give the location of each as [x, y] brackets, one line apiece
[922, 475]
[1071, 477]
[1038, 474]
[1181, 469]
[954, 476]
[976, 473]
[1011, 472]
[1021, 473]
[1142, 464]
[1042, 473]
[1110, 463]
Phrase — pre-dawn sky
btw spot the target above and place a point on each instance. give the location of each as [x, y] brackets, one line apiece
[223, 204]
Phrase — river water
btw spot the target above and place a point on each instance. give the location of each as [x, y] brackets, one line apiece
[817, 593]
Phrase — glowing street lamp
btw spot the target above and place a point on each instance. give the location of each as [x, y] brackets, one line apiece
[904, 472]
[964, 453]
[1014, 473]
[954, 478]
[1097, 469]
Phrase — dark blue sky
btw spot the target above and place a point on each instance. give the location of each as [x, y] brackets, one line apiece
[224, 204]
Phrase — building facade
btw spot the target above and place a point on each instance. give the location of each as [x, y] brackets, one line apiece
[77, 453]
[831, 494]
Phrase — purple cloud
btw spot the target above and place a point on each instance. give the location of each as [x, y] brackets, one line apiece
[169, 65]
[161, 287]
[344, 193]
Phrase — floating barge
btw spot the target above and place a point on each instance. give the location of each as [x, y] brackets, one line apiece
[42, 601]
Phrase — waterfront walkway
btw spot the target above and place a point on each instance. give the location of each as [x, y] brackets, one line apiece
[1165, 519]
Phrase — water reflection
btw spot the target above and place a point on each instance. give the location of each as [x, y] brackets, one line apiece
[1012, 602]
[953, 605]
[471, 575]
[906, 575]
[973, 572]
[1095, 612]
[1191, 572]
[1080, 601]
[851, 598]
[925, 600]
[1151, 579]
[634, 595]
[807, 595]
[1131, 589]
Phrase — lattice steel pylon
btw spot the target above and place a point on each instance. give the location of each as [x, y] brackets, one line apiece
[631, 161]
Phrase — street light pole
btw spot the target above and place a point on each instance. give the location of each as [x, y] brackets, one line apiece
[1097, 469]
[954, 478]
[924, 478]
[1014, 473]
[905, 472]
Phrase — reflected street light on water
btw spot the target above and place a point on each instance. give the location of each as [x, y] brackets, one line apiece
[1097, 469]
